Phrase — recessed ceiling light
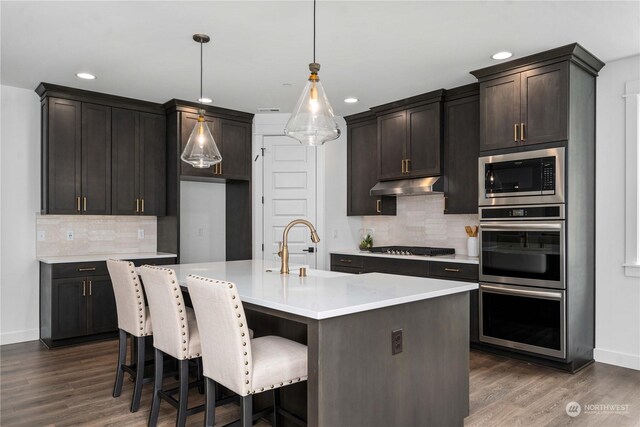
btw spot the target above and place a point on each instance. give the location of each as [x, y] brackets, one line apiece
[205, 100]
[351, 100]
[86, 76]
[502, 55]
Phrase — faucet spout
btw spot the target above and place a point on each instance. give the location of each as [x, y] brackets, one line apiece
[284, 249]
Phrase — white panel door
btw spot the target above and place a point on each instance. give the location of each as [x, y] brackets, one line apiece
[289, 193]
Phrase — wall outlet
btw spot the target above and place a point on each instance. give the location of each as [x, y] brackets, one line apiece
[69, 234]
[140, 233]
[41, 236]
[335, 233]
[396, 341]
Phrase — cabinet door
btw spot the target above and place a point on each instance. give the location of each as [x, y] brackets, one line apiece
[361, 168]
[236, 140]
[69, 308]
[392, 141]
[425, 141]
[188, 121]
[461, 146]
[63, 146]
[153, 165]
[544, 104]
[96, 159]
[124, 183]
[500, 112]
[101, 309]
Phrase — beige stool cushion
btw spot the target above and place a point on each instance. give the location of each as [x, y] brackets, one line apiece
[277, 362]
[133, 316]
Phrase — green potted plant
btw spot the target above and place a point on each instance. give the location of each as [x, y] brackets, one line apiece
[366, 243]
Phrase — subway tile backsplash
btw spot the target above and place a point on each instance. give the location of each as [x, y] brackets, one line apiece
[95, 234]
[421, 222]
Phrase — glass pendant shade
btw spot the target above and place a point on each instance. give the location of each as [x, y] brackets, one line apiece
[201, 150]
[312, 121]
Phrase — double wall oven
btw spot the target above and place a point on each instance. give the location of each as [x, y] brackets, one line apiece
[522, 252]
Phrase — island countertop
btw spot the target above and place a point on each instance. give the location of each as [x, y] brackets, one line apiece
[321, 294]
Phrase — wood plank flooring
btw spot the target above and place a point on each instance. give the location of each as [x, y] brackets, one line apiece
[73, 385]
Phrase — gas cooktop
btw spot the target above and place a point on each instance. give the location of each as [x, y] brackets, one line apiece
[412, 250]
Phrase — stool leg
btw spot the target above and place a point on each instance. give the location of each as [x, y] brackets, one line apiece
[137, 390]
[184, 392]
[276, 405]
[246, 408]
[157, 386]
[210, 408]
[200, 375]
[122, 354]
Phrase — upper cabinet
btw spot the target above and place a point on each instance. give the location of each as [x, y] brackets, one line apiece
[362, 175]
[230, 129]
[410, 137]
[527, 101]
[101, 154]
[461, 147]
[138, 163]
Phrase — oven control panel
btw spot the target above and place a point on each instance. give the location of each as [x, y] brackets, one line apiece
[522, 212]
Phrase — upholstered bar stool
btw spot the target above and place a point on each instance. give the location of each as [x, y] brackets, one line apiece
[230, 358]
[175, 334]
[134, 320]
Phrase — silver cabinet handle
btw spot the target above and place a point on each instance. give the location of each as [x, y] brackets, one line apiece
[524, 292]
[452, 270]
[84, 288]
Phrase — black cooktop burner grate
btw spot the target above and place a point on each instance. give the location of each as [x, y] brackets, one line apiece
[412, 250]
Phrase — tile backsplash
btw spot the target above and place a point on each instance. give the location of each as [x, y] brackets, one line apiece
[421, 222]
[94, 234]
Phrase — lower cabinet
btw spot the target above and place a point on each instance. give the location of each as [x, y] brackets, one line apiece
[77, 302]
[463, 272]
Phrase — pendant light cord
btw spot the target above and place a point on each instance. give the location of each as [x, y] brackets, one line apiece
[201, 72]
[314, 31]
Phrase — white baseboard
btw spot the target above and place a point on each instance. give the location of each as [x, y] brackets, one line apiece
[19, 336]
[626, 360]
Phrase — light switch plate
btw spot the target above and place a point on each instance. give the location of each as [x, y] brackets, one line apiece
[140, 233]
[41, 236]
[69, 234]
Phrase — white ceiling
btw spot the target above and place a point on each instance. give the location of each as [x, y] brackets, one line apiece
[377, 51]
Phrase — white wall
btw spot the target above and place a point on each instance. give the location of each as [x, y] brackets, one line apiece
[19, 203]
[617, 296]
[202, 222]
[341, 231]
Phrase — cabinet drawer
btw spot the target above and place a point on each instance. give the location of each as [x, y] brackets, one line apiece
[346, 260]
[350, 270]
[454, 271]
[405, 267]
[79, 269]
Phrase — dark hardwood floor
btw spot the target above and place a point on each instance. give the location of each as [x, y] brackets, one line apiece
[72, 386]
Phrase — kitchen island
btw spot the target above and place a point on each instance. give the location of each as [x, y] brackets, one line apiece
[347, 322]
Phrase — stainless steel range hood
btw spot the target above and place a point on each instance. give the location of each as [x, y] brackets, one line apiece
[408, 187]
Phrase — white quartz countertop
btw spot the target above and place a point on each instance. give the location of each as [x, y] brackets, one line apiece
[102, 257]
[321, 294]
[441, 258]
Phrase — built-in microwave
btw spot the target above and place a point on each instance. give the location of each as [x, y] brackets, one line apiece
[522, 178]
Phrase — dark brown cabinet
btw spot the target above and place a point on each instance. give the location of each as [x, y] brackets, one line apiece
[77, 302]
[461, 148]
[101, 154]
[139, 163]
[76, 157]
[410, 137]
[233, 139]
[529, 107]
[362, 175]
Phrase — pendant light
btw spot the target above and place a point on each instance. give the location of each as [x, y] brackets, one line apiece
[312, 121]
[201, 150]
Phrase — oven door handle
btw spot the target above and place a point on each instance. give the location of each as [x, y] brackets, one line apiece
[521, 226]
[523, 292]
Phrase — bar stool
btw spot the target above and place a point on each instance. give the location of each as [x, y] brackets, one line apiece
[175, 334]
[134, 320]
[230, 358]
